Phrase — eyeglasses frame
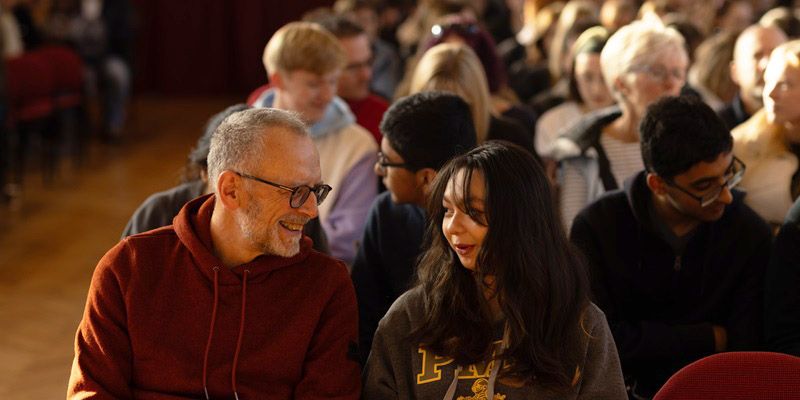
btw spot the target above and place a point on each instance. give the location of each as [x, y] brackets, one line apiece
[320, 196]
[730, 183]
[383, 164]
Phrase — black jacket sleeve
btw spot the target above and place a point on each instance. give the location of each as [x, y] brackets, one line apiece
[782, 309]
[638, 341]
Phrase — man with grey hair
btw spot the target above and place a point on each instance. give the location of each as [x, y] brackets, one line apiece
[750, 56]
[230, 301]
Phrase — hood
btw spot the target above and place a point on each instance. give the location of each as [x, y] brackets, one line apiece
[584, 133]
[337, 115]
[192, 225]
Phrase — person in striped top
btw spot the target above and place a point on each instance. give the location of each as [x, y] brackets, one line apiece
[642, 62]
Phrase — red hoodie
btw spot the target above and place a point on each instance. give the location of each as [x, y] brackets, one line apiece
[164, 315]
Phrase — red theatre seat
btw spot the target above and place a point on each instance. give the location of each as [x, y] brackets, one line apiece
[736, 376]
[66, 68]
[30, 85]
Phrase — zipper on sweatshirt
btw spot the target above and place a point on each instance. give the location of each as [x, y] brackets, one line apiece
[677, 264]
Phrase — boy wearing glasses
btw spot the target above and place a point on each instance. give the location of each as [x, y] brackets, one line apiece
[420, 134]
[676, 258]
[304, 62]
[230, 301]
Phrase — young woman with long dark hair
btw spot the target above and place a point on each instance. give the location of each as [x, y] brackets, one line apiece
[500, 308]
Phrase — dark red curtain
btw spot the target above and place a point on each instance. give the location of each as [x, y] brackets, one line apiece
[206, 47]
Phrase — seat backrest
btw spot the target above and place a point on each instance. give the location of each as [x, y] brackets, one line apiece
[65, 66]
[736, 375]
[28, 77]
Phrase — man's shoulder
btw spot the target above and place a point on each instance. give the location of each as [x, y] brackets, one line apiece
[174, 198]
[134, 254]
[609, 204]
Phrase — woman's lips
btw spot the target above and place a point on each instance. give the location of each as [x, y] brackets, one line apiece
[463, 249]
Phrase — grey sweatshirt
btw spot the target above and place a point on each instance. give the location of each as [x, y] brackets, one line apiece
[397, 369]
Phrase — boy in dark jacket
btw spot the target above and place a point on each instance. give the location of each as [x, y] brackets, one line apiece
[420, 134]
[677, 259]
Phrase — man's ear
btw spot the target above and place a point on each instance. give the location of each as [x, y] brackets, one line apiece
[425, 178]
[229, 189]
[656, 184]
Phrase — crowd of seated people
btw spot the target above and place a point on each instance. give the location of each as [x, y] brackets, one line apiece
[563, 211]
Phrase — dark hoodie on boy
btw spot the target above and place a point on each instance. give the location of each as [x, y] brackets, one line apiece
[661, 302]
[164, 319]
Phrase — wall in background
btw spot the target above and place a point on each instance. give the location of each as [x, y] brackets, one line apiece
[207, 47]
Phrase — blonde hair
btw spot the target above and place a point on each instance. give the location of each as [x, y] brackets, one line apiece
[455, 68]
[757, 137]
[575, 16]
[303, 46]
[711, 69]
[637, 43]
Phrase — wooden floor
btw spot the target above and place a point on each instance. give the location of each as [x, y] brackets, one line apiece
[52, 237]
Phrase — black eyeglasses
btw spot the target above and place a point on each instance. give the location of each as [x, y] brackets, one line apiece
[383, 163]
[299, 193]
[732, 178]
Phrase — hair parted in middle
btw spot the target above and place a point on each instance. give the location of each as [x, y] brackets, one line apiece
[539, 279]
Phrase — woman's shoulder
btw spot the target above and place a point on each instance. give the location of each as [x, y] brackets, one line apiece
[592, 316]
[406, 311]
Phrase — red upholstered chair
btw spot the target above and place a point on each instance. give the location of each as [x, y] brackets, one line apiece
[736, 376]
[29, 87]
[67, 70]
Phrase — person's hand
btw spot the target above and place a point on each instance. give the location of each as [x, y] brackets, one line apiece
[720, 339]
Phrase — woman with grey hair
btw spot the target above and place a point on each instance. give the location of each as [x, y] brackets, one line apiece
[641, 63]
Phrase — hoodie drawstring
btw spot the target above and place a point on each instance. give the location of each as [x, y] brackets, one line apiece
[241, 332]
[451, 390]
[211, 331]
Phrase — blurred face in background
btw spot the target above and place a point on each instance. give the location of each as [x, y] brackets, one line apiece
[782, 91]
[305, 93]
[355, 78]
[589, 78]
[750, 58]
[663, 75]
